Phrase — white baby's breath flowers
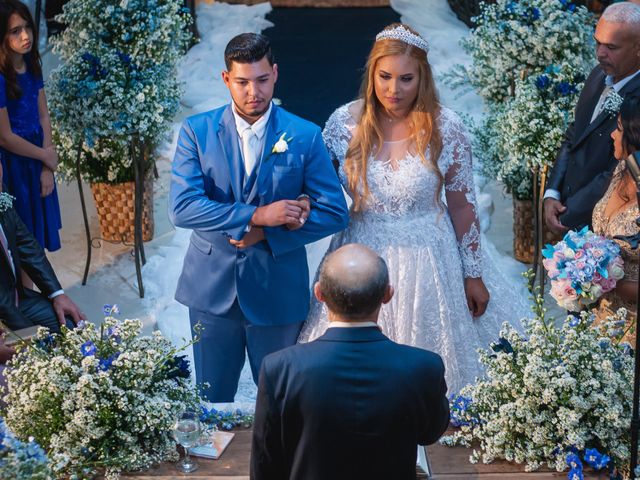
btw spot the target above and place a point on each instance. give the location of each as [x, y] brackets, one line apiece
[554, 389]
[93, 394]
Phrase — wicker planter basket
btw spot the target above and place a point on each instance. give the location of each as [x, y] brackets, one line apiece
[115, 204]
[523, 230]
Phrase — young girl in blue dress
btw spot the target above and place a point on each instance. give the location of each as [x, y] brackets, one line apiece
[28, 155]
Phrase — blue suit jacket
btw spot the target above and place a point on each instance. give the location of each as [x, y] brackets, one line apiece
[270, 279]
[350, 405]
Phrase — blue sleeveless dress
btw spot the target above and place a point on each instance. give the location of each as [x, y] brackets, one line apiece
[21, 176]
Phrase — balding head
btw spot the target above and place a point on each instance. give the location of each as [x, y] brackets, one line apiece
[354, 282]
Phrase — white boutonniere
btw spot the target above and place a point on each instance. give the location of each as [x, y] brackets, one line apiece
[612, 103]
[281, 145]
[6, 201]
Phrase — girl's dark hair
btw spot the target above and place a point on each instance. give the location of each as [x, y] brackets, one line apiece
[8, 8]
[630, 120]
[247, 48]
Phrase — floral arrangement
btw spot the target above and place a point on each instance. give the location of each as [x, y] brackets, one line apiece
[532, 126]
[99, 397]
[6, 201]
[558, 391]
[582, 267]
[117, 81]
[225, 420]
[22, 460]
[515, 39]
[529, 59]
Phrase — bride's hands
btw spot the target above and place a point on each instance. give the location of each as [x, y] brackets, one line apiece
[477, 296]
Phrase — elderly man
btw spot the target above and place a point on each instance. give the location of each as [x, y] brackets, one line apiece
[585, 163]
[352, 404]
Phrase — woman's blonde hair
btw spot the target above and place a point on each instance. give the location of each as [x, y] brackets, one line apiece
[422, 119]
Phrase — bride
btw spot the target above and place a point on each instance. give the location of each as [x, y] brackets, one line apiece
[405, 161]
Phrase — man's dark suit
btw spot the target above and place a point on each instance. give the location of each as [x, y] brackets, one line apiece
[585, 163]
[34, 308]
[350, 405]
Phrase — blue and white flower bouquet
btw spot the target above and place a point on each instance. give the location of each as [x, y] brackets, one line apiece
[556, 390]
[582, 267]
[99, 398]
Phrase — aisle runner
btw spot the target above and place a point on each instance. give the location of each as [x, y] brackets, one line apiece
[200, 70]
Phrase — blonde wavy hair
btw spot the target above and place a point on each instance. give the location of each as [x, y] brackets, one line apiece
[368, 138]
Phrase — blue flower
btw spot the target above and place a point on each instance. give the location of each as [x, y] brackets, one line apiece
[88, 349]
[105, 363]
[575, 474]
[542, 83]
[46, 343]
[575, 321]
[502, 345]
[110, 310]
[534, 13]
[574, 462]
[596, 459]
[565, 88]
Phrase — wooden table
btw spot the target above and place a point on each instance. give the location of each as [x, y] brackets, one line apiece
[447, 464]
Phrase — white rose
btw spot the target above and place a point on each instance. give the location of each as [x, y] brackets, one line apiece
[281, 145]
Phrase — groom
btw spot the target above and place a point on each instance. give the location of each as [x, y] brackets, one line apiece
[255, 184]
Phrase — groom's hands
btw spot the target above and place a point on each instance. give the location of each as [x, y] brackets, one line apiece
[253, 236]
[282, 212]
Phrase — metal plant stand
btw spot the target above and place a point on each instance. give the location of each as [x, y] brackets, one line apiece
[136, 150]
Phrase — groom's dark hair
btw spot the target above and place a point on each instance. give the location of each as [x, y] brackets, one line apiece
[354, 300]
[247, 48]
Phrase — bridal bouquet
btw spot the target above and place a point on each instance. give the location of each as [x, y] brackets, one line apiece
[99, 398]
[557, 393]
[582, 267]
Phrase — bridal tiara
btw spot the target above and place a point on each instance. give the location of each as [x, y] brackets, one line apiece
[401, 33]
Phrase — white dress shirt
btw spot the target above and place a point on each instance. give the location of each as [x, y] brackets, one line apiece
[608, 82]
[352, 324]
[259, 128]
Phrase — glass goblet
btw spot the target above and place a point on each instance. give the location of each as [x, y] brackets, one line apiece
[187, 431]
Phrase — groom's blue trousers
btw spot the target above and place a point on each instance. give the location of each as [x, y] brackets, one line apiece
[220, 354]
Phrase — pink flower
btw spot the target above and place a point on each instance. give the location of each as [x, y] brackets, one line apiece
[579, 254]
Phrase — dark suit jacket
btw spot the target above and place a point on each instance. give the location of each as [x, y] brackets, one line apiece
[27, 255]
[350, 405]
[585, 162]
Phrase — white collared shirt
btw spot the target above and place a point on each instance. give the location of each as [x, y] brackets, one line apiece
[352, 324]
[608, 81]
[259, 128]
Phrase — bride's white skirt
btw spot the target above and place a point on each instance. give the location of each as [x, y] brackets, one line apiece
[429, 308]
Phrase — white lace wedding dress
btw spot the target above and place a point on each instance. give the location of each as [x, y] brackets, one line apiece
[430, 245]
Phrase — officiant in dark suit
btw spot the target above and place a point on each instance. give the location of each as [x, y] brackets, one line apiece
[352, 404]
[585, 162]
[21, 307]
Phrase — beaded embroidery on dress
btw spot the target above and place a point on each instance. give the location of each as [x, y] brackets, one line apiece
[429, 245]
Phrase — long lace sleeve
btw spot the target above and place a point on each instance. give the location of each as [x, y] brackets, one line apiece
[460, 192]
[337, 135]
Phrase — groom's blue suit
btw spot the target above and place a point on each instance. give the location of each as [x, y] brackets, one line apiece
[239, 291]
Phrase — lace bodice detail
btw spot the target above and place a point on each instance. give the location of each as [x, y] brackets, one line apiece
[622, 222]
[402, 188]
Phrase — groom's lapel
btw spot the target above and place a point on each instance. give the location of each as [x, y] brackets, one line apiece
[228, 137]
[266, 163]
